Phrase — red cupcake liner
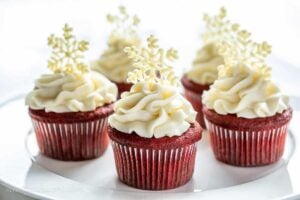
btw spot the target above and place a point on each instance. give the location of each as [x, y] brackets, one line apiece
[154, 169]
[244, 147]
[72, 141]
[193, 93]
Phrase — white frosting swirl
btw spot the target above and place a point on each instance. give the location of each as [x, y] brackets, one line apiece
[204, 70]
[114, 62]
[245, 92]
[65, 93]
[152, 111]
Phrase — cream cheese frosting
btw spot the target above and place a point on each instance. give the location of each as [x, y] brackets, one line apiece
[245, 92]
[114, 63]
[152, 111]
[204, 70]
[153, 107]
[244, 86]
[67, 93]
[72, 87]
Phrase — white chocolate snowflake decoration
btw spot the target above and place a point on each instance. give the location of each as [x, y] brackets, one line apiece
[216, 26]
[240, 49]
[67, 53]
[124, 25]
[151, 64]
[234, 44]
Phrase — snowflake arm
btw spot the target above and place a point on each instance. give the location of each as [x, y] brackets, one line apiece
[67, 53]
[152, 64]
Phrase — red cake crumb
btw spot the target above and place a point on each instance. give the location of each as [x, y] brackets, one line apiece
[70, 117]
[233, 122]
[192, 135]
[122, 87]
[191, 85]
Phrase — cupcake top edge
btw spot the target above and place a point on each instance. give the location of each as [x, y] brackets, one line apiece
[153, 107]
[244, 85]
[204, 68]
[72, 87]
[113, 62]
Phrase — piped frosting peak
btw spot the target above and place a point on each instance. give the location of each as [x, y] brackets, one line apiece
[204, 70]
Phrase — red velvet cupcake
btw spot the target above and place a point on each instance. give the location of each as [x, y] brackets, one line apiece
[204, 70]
[247, 142]
[155, 163]
[113, 62]
[69, 108]
[153, 130]
[246, 114]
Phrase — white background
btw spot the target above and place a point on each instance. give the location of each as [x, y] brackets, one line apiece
[25, 26]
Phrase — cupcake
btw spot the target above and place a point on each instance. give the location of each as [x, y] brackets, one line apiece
[69, 108]
[114, 63]
[246, 114]
[153, 130]
[204, 71]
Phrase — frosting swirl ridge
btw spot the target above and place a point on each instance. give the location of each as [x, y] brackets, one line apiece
[152, 110]
[65, 93]
[204, 70]
[245, 92]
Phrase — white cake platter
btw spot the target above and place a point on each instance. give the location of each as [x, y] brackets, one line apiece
[24, 170]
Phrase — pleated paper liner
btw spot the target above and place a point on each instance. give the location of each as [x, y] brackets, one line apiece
[247, 148]
[155, 164]
[74, 139]
[261, 143]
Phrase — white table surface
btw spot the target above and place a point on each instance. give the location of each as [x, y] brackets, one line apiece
[25, 26]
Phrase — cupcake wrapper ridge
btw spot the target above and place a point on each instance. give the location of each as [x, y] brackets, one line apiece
[154, 169]
[72, 141]
[247, 147]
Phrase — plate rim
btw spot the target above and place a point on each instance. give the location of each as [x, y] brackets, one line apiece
[34, 194]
